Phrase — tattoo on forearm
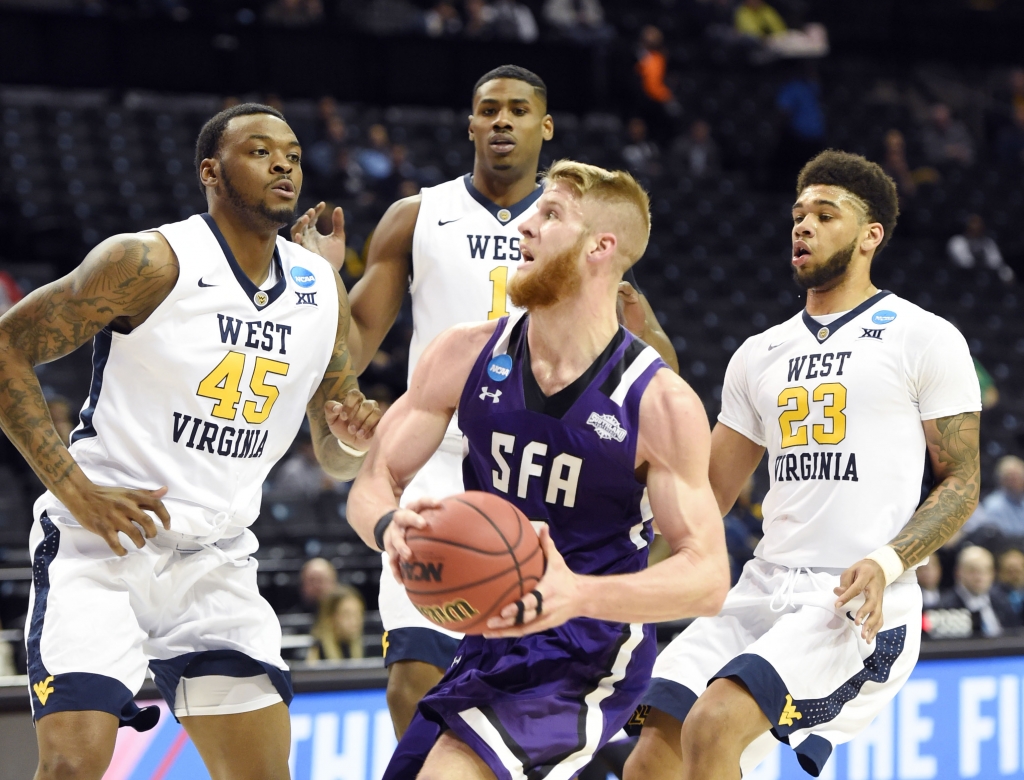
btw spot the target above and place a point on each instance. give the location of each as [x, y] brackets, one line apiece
[339, 378]
[954, 445]
[57, 319]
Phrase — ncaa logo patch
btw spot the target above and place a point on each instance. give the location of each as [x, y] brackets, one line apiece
[883, 317]
[302, 277]
[500, 368]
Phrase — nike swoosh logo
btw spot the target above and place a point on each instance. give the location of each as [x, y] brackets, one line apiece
[773, 346]
[442, 224]
[204, 284]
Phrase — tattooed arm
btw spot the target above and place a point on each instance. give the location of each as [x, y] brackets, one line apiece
[337, 409]
[953, 450]
[121, 281]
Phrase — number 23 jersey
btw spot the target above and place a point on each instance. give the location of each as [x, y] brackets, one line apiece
[208, 393]
[839, 405]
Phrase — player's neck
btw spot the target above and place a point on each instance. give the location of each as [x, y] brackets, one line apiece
[851, 291]
[565, 339]
[252, 246]
[505, 188]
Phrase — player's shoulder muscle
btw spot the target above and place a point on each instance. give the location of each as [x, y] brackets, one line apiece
[448, 359]
[673, 422]
[131, 272]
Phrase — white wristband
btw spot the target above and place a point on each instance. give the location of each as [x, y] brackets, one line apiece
[351, 450]
[889, 560]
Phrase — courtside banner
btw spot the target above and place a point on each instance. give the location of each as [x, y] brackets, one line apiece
[953, 719]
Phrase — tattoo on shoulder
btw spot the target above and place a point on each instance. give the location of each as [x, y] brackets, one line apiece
[122, 282]
[953, 446]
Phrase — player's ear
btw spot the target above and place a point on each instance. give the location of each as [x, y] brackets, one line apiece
[604, 248]
[873, 237]
[547, 127]
[208, 173]
[470, 120]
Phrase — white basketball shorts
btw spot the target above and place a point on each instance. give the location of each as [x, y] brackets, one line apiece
[189, 613]
[804, 662]
[408, 636]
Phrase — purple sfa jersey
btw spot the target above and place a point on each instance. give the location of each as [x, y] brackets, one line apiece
[540, 706]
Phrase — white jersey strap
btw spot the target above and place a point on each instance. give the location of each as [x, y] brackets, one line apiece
[633, 372]
[501, 347]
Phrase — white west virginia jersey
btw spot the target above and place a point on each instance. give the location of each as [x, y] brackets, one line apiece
[208, 393]
[464, 250]
[839, 406]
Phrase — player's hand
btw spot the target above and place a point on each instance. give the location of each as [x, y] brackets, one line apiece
[330, 247]
[107, 510]
[394, 537]
[630, 310]
[560, 589]
[353, 419]
[865, 577]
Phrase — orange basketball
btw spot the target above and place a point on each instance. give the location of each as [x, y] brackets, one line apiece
[477, 554]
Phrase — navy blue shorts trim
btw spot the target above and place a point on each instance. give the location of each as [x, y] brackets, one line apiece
[227, 663]
[666, 695]
[419, 644]
[82, 691]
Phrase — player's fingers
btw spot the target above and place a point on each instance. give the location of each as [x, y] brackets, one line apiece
[370, 423]
[350, 403]
[423, 503]
[855, 589]
[628, 291]
[298, 228]
[129, 529]
[110, 537]
[148, 526]
[317, 210]
[338, 221]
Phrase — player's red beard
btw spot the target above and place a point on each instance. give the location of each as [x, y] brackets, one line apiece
[558, 280]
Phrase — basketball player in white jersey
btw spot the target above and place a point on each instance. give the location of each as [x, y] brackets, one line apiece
[459, 243]
[211, 337]
[856, 399]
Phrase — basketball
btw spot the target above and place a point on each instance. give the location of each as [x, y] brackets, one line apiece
[477, 554]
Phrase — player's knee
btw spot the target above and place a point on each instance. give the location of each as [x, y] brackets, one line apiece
[707, 727]
[657, 753]
[61, 764]
[408, 682]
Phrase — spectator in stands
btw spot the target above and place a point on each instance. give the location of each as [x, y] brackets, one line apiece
[317, 578]
[10, 293]
[696, 153]
[293, 13]
[803, 135]
[338, 630]
[989, 391]
[443, 21]
[375, 159]
[657, 104]
[1010, 579]
[1011, 139]
[990, 609]
[946, 140]
[641, 154]
[300, 476]
[974, 249]
[896, 165]
[929, 577]
[322, 156]
[63, 417]
[1003, 509]
[506, 20]
[7, 667]
[578, 20]
[757, 19]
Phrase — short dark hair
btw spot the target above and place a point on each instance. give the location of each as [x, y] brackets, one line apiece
[860, 176]
[208, 142]
[519, 74]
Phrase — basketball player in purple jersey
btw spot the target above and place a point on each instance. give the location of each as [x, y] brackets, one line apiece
[458, 243]
[569, 417]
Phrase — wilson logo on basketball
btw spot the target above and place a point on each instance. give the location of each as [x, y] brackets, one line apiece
[450, 612]
[422, 572]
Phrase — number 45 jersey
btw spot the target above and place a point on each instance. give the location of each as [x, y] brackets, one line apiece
[208, 393]
[839, 402]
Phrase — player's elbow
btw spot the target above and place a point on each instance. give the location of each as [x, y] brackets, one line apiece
[717, 588]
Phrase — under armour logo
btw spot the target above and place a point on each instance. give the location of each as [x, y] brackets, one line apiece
[789, 713]
[43, 689]
[484, 395]
[872, 333]
[455, 661]
[306, 297]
